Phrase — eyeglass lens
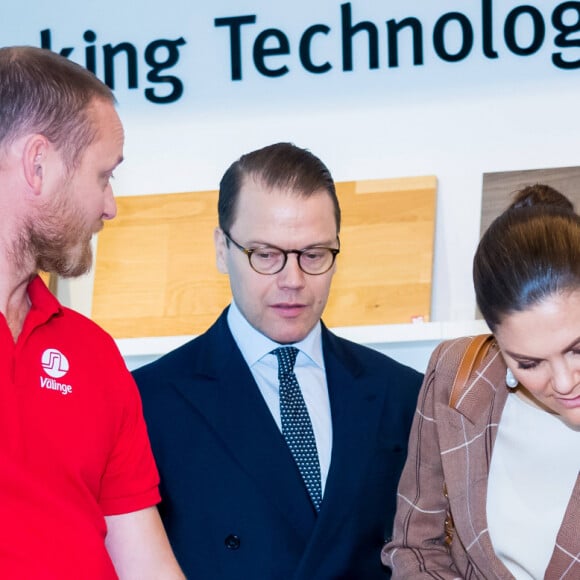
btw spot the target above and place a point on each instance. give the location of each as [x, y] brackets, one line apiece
[272, 260]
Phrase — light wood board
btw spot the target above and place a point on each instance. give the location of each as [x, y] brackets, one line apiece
[155, 272]
[51, 280]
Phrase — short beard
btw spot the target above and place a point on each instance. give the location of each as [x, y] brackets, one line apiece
[55, 243]
[58, 255]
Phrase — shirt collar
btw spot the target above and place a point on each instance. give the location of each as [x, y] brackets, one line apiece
[43, 306]
[41, 298]
[254, 345]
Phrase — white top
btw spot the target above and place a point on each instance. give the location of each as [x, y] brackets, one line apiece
[534, 467]
[309, 370]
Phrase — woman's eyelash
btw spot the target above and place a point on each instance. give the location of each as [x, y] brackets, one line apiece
[527, 365]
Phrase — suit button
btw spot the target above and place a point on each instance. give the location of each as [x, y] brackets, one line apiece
[232, 542]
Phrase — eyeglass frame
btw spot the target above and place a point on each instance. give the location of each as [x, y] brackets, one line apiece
[299, 253]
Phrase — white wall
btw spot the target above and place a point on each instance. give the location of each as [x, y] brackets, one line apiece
[454, 120]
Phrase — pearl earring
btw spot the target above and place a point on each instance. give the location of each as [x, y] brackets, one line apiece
[510, 380]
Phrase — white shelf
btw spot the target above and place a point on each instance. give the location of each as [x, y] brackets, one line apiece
[387, 334]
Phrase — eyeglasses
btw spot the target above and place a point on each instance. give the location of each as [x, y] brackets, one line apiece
[270, 260]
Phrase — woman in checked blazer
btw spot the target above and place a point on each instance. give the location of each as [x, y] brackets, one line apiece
[491, 486]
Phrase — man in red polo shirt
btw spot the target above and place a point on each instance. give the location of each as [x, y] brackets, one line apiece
[78, 484]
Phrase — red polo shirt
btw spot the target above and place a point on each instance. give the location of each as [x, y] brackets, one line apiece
[73, 444]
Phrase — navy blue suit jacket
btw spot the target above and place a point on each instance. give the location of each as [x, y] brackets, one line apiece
[234, 504]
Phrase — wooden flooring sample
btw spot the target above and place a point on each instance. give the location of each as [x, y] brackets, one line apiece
[155, 272]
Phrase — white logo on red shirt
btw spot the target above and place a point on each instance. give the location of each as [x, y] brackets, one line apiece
[54, 363]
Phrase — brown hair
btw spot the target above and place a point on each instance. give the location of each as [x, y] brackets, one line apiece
[43, 92]
[281, 165]
[530, 252]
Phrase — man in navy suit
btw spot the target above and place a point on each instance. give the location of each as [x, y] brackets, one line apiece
[235, 503]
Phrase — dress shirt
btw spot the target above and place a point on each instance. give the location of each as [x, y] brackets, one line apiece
[256, 348]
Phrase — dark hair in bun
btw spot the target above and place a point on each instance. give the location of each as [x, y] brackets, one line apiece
[529, 252]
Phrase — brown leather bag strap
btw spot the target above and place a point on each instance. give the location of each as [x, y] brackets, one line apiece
[472, 357]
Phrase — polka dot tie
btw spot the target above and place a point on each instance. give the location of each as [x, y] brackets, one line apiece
[296, 425]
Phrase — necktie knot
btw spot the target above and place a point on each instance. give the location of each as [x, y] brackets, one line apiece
[286, 359]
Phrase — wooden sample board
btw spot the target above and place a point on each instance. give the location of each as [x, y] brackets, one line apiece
[155, 272]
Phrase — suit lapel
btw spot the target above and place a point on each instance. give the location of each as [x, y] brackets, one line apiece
[356, 407]
[227, 397]
[466, 438]
[464, 447]
[565, 561]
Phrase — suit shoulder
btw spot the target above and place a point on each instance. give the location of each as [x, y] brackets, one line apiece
[170, 364]
[374, 361]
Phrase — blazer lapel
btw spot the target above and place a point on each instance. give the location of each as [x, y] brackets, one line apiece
[466, 438]
[226, 395]
[565, 562]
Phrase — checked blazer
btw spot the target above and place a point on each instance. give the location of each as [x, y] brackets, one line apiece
[452, 448]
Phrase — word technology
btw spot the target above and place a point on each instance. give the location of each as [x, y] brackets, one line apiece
[453, 37]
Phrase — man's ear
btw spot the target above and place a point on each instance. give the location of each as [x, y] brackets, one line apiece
[34, 157]
[221, 248]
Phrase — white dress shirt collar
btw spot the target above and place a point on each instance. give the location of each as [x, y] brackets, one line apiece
[254, 345]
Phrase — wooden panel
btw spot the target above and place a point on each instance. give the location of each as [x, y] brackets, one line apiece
[385, 267]
[155, 272]
[51, 280]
